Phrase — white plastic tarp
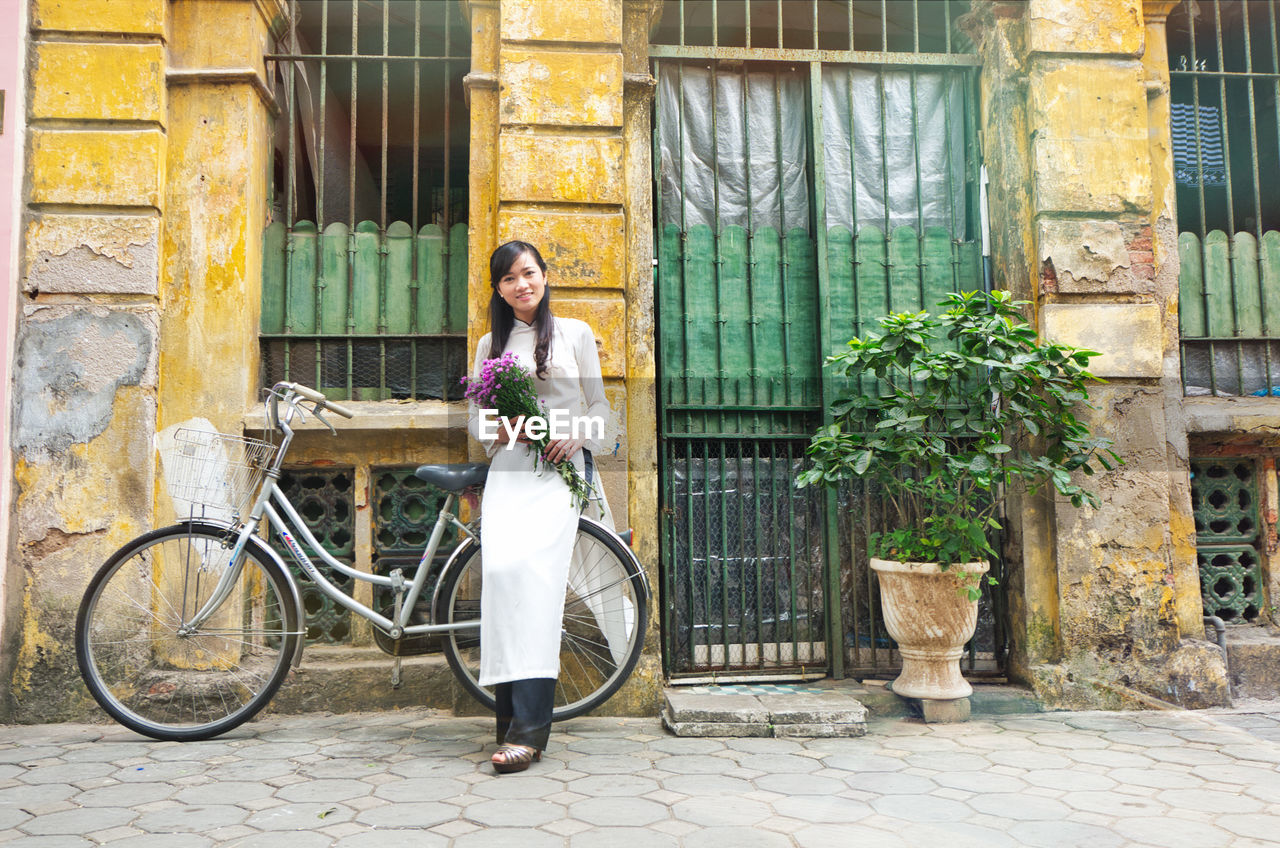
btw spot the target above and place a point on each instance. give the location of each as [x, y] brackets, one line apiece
[733, 147]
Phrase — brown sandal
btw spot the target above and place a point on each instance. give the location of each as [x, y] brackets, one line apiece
[513, 758]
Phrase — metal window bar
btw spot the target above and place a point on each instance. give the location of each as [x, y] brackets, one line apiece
[364, 271]
[1225, 73]
[744, 551]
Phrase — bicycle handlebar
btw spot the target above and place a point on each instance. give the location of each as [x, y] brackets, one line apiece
[320, 400]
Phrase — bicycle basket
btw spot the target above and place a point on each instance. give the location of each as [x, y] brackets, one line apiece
[211, 475]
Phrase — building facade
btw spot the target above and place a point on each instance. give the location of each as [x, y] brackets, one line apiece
[217, 194]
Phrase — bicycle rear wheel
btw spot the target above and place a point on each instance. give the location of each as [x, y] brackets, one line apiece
[606, 611]
[151, 675]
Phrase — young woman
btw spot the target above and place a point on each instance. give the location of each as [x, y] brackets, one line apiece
[528, 519]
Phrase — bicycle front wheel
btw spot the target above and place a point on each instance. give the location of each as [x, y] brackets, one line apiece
[606, 610]
[155, 674]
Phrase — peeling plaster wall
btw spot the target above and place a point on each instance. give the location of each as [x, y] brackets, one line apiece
[142, 220]
[1076, 140]
[87, 352]
[13, 23]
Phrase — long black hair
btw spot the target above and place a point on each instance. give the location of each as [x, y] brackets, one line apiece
[502, 317]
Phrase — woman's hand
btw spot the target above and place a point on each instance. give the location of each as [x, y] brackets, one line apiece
[559, 449]
[506, 425]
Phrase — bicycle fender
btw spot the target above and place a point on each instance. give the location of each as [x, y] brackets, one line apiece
[262, 550]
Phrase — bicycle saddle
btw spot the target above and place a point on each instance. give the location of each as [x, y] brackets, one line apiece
[453, 478]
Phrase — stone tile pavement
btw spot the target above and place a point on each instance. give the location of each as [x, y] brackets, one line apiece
[420, 778]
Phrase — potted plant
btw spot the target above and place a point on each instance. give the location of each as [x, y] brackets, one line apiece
[964, 403]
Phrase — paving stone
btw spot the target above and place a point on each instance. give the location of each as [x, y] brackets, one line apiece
[957, 835]
[829, 809]
[296, 840]
[721, 811]
[800, 784]
[779, 763]
[1157, 778]
[622, 764]
[514, 813]
[299, 816]
[1064, 834]
[26, 754]
[106, 753]
[72, 773]
[705, 784]
[158, 772]
[890, 783]
[615, 785]
[506, 837]
[1113, 803]
[70, 822]
[445, 767]
[624, 812]
[1211, 801]
[56, 842]
[125, 795]
[1019, 806]
[860, 762]
[1172, 833]
[1253, 825]
[226, 792]
[1068, 779]
[980, 781]
[948, 761]
[1030, 759]
[419, 789]
[739, 837]
[631, 837]
[324, 791]
[830, 835]
[164, 840]
[690, 764]
[921, 808]
[527, 786]
[12, 817]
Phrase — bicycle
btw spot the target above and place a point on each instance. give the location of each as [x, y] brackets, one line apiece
[188, 631]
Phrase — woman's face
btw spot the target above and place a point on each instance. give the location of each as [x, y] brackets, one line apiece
[522, 287]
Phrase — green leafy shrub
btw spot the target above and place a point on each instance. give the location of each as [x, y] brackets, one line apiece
[969, 401]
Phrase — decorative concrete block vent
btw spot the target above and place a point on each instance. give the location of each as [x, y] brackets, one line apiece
[757, 711]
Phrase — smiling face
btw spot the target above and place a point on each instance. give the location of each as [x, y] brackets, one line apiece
[522, 286]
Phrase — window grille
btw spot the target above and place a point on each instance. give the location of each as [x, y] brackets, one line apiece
[1225, 84]
[1224, 500]
[364, 268]
[325, 501]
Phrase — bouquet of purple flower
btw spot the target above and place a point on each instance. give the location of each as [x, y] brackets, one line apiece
[505, 385]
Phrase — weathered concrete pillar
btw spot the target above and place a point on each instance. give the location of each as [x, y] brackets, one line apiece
[1104, 601]
[215, 208]
[87, 339]
[559, 157]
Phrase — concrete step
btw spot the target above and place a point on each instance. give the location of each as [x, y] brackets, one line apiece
[821, 708]
[340, 679]
[1253, 661]
[689, 713]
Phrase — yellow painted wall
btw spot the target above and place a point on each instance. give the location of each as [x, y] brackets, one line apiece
[559, 157]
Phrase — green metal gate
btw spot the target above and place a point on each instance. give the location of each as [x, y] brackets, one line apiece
[801, 193]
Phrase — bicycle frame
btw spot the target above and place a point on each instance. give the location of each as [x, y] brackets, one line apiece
[283, 518]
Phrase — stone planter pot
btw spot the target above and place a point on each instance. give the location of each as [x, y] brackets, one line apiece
[931, 620]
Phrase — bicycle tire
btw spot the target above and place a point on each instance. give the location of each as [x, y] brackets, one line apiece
[591, 668]
[175, 687]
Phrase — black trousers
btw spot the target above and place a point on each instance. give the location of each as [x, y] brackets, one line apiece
[524, 711]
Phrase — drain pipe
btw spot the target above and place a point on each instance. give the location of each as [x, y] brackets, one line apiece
[1220, 634]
